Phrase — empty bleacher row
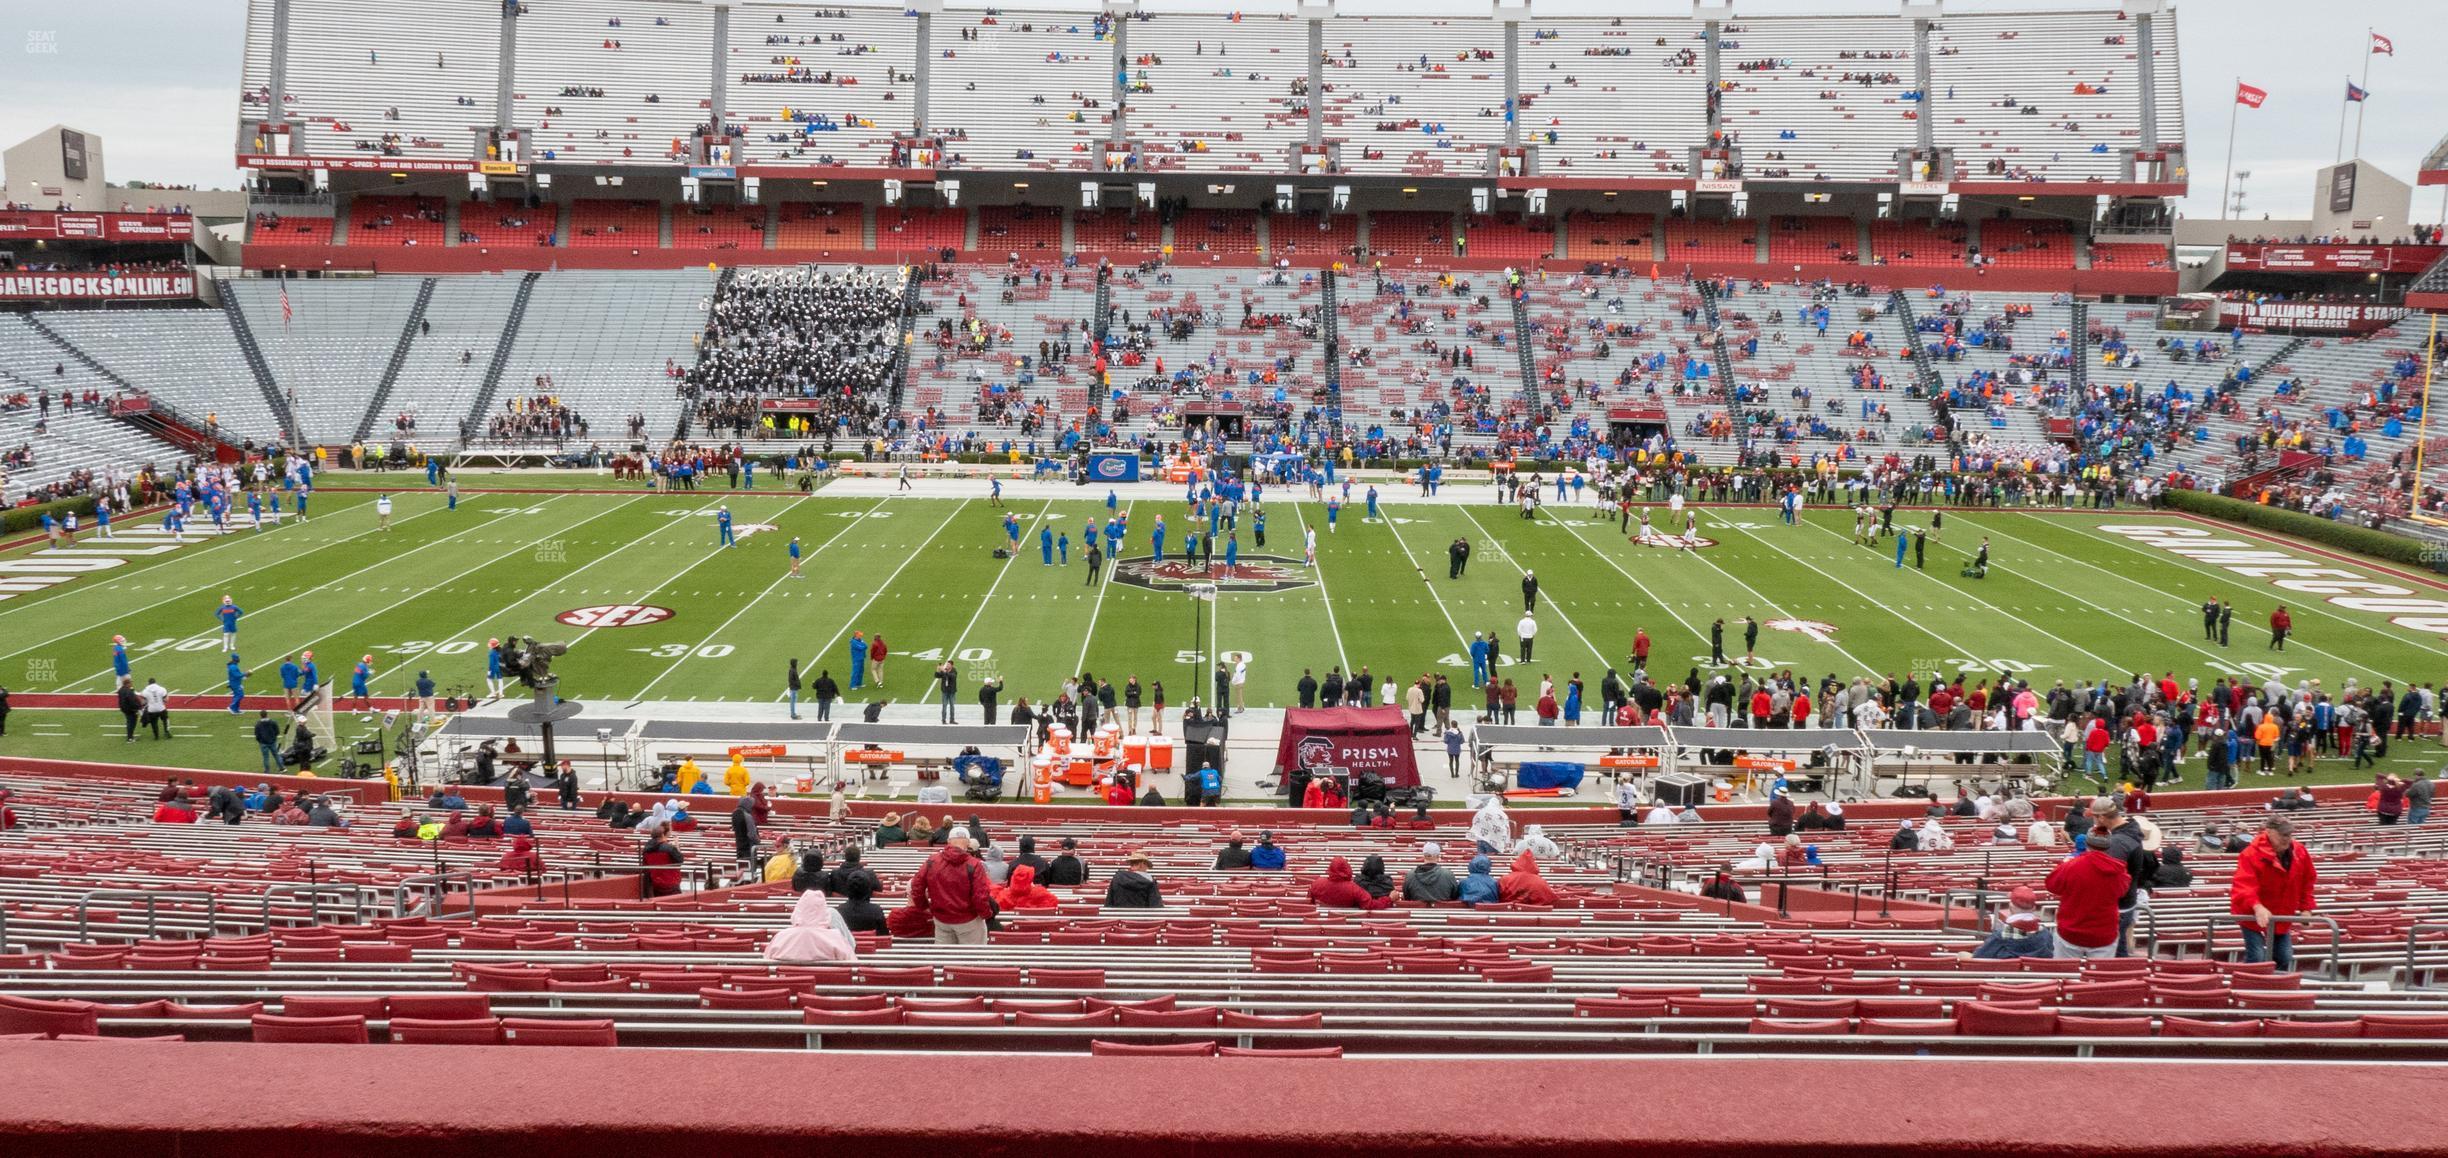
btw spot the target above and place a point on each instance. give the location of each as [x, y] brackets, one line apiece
[1865, 954]
[2018, 96]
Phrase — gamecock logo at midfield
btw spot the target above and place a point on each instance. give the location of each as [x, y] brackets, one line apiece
[1253, 573]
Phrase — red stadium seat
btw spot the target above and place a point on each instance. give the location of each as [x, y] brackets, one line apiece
[1235, 1019]
[1809, 1006]
[2327, 1027]
[333, 1005]
[1199, 1016]
[441, 1006]
[34, 1015]
[1991, 1019]
[2197, 1027]
[1908, 1027]
[1100, 1017]
[944, 1004]
[554, 1031]
[348, 1030]
[836, 1018]
[446, 1031]
[1169, 1049]
[982, 977]
[2073, 1026]
[1067, 978]
[2405, 1025]
[744, 998]
[864, 1002]
[1324, 1051]
[1818, 1027]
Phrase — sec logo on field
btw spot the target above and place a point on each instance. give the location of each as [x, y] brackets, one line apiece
[615, 615]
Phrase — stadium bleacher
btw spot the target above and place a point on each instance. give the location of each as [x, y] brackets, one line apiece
[329, 352]
[1213, 93]
[604, 345]
[818, 84]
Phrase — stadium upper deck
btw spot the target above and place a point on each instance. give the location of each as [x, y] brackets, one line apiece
[1977, 102]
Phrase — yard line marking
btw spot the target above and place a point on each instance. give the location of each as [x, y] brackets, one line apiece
[480, 565]
[1104, 584]
[1669, 608]
[2217, 661]
[778, 580]
[1432, 591]
[547, 586]
[2313, 606]
[1323, 597]
[693, 564]
[1000, 572]
[1882, 605]
[137, 532]
[2111, 666]
[1558, 604]
[888, 580]
[330, 583]
[184, 592]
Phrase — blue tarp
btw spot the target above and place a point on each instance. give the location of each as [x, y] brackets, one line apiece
[1550, 774]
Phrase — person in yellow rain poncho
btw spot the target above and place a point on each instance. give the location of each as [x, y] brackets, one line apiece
[735, 777]
[690, 774]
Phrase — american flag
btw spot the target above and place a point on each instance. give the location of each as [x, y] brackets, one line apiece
[285, 312]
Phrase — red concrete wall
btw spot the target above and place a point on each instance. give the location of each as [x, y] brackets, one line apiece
[133, 1101]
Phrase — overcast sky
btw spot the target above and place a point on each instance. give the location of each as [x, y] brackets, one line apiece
[158, 80]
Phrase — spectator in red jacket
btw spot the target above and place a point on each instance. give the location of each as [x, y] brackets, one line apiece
[2087, 887]
[174, 811]
[952, 888]
[659, 851]
[522, 857]
[1337, 890]
[1524, 885]
[1023, 891]
[2273, 878]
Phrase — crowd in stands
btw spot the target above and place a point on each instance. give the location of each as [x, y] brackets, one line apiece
[539, 417]
[824, 336]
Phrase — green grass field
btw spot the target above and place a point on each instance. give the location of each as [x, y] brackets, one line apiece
[2065, 600]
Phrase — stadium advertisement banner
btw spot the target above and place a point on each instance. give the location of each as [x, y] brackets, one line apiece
[2308, 317]
[358, 164]
[1353, 740]
[2333, 258]
[96, 286]
[1113, 468]
[37, 225]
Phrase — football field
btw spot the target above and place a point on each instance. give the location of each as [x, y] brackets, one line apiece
[652, 608]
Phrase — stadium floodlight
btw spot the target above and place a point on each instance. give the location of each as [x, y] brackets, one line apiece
[1283, 199]
[1342, 198]
[1088, 194]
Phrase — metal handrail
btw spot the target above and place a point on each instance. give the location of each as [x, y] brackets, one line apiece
[439, 885]
[315, 895]
[152, 899]
[2337, 934]
[2413, 934]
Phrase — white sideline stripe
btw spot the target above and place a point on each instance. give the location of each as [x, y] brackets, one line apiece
[1328, 600]
[1887, 606]
[1094, 609]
